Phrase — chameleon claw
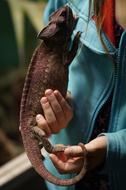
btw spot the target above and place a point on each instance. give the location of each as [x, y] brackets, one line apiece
[59, 148]
[40, 145]
[77, 36]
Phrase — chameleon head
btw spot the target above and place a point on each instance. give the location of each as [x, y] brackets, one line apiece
[60, 26]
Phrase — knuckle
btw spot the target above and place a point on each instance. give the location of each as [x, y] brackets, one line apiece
[58, 111]
[69, 114]
[58, 114]
[54, 127]
[52, 123]
[61, 171]
[55, 130]
[63, 102]
[61, 122]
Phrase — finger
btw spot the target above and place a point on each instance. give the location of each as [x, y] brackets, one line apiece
[74, 151]
[42, 124]
[63, 167]
[59, 114]
[49, 115]
[61, 156]
[67, 109]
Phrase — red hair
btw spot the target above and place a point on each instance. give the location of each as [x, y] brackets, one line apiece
[104, 15]
[109, 19]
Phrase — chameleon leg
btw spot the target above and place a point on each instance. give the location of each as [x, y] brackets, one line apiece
[71, 54]
[44, 142]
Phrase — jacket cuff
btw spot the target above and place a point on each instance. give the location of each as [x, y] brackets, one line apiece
[116, 151]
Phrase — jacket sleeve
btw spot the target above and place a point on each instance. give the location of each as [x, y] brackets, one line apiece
[116, 151]
[52, 5]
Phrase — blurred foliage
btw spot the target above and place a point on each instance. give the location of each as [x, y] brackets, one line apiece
[20, 9]
[15, 18]
[20, 20]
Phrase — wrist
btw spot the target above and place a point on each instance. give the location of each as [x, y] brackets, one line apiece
[96, 152]
[97, 144]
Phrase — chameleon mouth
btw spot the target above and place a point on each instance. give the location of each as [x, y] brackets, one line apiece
[63, 18]
[68, 11]
[70, 18]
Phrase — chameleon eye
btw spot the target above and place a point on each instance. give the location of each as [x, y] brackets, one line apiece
[61, 20]
[63, 14]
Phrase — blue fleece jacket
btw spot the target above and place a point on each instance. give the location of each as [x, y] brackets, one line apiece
[91, 80]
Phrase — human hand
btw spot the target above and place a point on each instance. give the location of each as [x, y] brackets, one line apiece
[72, 160]
[57, 112]
[69, 161]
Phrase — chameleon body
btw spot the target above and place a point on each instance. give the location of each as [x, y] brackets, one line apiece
[48, 70]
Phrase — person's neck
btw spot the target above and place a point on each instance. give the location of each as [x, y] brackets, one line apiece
[120, 12]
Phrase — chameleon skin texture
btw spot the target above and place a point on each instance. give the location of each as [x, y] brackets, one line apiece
[48, 69]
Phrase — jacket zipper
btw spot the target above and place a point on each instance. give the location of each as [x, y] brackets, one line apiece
[116, 68]
[104, 99]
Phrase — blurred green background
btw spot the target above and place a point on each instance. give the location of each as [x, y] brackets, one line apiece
[20, 21]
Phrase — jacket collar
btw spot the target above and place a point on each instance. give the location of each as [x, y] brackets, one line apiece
[87, 26]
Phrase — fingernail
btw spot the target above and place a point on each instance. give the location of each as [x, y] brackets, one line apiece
[44, 100]
[56, 92]
[48, 92]
[38, 117]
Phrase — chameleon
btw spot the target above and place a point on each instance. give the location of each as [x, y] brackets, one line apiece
[48, 69]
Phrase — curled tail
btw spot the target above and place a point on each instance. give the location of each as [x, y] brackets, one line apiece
[34, 154]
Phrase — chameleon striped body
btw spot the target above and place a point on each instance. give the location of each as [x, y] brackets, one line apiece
[48, 70]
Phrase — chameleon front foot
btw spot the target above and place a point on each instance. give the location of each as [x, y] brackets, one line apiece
[43, 141]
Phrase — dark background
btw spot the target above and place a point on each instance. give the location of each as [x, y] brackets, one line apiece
[14, 60]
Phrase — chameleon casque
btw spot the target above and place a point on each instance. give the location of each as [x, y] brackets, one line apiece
[48, 70]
